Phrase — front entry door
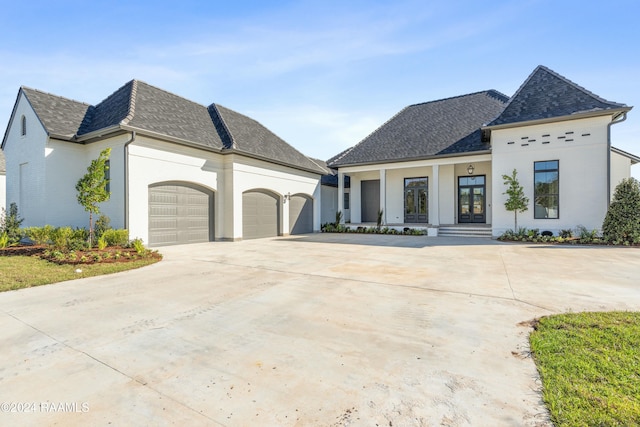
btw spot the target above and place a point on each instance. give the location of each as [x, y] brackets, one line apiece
[415, 200]
[471, 199]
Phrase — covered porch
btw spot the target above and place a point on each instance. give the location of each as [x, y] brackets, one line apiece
[429, 194]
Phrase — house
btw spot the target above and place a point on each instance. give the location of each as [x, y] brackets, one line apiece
[439, 164]
[3, 182]
[179, 172]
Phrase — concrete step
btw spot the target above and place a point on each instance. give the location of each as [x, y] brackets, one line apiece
[466, 231]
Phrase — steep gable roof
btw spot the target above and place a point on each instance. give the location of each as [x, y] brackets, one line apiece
[60, 116]
[546, 94]
[145, 108]
[446, 126]
[246, 135]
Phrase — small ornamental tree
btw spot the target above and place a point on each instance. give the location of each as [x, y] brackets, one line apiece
[622, 222]
[92, 187]
[517, 201]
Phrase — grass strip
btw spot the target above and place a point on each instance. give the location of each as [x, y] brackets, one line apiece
[590, 367]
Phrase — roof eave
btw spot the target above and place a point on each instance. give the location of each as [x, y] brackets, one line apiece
[634, 159]
[615, 112]
[278, 162]
[412, 159]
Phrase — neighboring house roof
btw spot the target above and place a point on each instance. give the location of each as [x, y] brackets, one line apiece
[634, 159]
[3, 164]
[546, 94]
[144, 108]
[445, 127]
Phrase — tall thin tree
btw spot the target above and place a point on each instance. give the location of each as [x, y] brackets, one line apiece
[517, 201]
[92, 188]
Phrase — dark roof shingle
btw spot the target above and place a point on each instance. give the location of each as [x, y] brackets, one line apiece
[60, 116]
[546, 94]
[142, 106]
[446, 126]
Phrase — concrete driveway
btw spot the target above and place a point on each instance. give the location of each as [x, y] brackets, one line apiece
[325, 329]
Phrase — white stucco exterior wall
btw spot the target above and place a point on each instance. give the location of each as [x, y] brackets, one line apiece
[620, 169]
[25, 163]
[3, 191]
[228, 176]
[580, 146]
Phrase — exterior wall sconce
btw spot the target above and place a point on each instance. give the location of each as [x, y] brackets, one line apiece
[470, 169]
[286, 197]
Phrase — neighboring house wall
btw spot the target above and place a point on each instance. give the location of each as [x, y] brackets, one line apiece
[26, 165]
[580, 146]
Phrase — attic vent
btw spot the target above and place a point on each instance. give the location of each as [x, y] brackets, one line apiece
[524, 145]
[562, 137]
[545, 142]
[525, 137]
[510, 142]
[23, 126]
[546, 135]
[532, 140]
[586, 134]
[569, 140]
[569, 133]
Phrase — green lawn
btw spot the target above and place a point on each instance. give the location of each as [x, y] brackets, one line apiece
[25, 271]
[590, 367]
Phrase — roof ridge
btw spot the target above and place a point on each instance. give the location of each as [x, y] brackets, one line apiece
[132, 103]
[57, 96]
[487, 91]
[223, 123]
[167, 92]
[577, 86]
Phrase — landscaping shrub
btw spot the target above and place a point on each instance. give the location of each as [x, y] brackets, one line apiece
[10, 222]
[61, 237]
[39, 235]
[138, 246]
[102, 243]
[103, 223]
[622, 222]
[4, 240]
[116, 237]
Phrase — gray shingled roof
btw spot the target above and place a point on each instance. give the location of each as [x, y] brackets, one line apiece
[546, 94]
[446, 126]
[3, 164]
[138, 105]
[60, 116]
[249, 136]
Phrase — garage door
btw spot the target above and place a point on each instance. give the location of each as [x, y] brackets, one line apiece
[260, 215]
[300, 214]
[180, 214]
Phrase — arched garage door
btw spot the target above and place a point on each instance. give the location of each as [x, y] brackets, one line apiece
[260, 215]
[179, 213]
[300, 214]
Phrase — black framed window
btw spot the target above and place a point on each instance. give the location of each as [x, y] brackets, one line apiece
[107, 174]
[547, 189]
[23, 126]
[346, 201]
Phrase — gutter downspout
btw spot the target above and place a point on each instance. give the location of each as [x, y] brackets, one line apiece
[126, 179]
[613, 122]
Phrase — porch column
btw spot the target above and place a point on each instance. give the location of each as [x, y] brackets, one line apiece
[341, 195]
[434, 216]
[383, 194]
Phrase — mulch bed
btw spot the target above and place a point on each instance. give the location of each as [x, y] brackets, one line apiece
[106, 256]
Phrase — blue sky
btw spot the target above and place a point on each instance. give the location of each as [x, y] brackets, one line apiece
[321, 75]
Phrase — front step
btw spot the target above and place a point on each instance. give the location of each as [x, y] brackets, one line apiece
[464, 231]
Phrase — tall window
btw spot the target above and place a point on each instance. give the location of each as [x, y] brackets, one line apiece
[107, 174]
[346, 201]
[23, 126]
[547, 189]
